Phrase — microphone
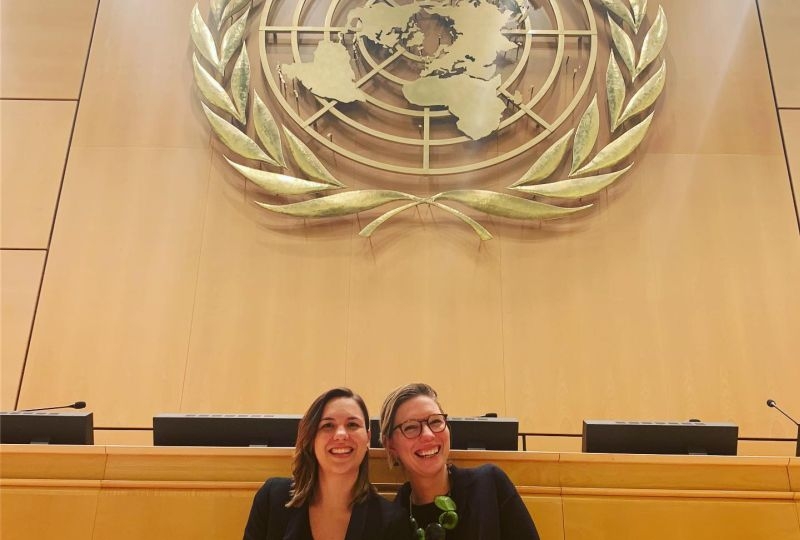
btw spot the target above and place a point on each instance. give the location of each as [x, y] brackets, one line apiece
[771, 403]
[76, 405]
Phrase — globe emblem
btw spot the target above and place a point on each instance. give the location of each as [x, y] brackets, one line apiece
[428, 87]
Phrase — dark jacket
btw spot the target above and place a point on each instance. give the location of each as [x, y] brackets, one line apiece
[487, 503]
[374, 519]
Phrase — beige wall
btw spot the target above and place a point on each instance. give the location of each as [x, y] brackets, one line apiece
[166, 289]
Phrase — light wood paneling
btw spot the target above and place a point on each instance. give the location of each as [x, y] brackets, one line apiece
[34, 140]
[272, 300]
[120, 283]
[624, 518]
[20, 275]
[766, 448]
[425, 306]
[718, 97]
[547, 515]
[180, 513]
[664, 304]
[780, 19]
[198, 492]
[123, 437]
[44, 47]
[790, 122]
[139, 85]
[65, 513]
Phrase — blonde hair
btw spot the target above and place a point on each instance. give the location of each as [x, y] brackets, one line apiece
[397, 397]
[305, 468]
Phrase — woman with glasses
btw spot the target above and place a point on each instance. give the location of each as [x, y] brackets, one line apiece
[440, 500]
[329, 496]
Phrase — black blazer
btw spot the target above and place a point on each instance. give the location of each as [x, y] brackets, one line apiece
[488, 506]
[374, 519]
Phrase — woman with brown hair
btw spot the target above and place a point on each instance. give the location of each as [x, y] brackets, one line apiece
[329, 496]
[441, 500]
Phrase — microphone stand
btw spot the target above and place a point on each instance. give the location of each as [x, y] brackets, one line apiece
[771, 403]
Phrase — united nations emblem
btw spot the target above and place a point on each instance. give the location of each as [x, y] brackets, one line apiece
[428, 89]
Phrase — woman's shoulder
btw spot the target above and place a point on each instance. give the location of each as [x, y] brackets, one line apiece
[488, 471]
[275, 491]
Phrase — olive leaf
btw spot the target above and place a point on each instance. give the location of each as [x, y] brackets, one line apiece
[340, 204]
[575, 188]
[267, 130]
[547, 162]
[647, 94]
[233, 7]
[639, 8]
[477, 227]
[615, 91]
[211, 89]
[307, 161]
[279, 184]
[503, 205]
[367, 231]
[624, 45]
[240, 85]
[235, 139]
[618, 8]
[202, 38]
[233, 40]
[215, 17]
[653, 42]
[585, 135]
[618, 149]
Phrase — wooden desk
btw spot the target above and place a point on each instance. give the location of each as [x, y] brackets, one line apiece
[115, 492]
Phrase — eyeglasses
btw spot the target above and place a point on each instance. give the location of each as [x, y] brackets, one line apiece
[411, 429]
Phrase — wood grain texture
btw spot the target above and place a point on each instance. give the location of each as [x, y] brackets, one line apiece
[40, 512]
[116, 303]
[139, 86]
[20, 275]
[649, 300]
[180, 492]
[718, 98]
[270, 305]
[44, 47]
[790, 122]
[167, 289]
[780, 19]
[34, 142]
[629, 518]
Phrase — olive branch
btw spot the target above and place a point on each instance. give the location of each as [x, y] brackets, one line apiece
[227, 89]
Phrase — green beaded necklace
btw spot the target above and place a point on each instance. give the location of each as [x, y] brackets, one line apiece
[448, 519]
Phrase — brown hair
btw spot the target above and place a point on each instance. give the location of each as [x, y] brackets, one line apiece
[305, 468]
[397, 397]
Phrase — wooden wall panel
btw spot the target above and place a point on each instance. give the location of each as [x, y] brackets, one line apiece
[139, 89]
[116, 305]
[718, 98]
[270, 308]
[44, 47]
[20, 275]
[425, 305]
[176, 513]
[790, 122]
[34, 141]
[675, 298]
[780, 20]
[651, 300]
[628, 518]
[31, 512]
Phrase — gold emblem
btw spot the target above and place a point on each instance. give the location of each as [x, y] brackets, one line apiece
[427, 86]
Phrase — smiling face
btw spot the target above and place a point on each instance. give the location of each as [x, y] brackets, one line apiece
[426, 455]
[342, 440]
